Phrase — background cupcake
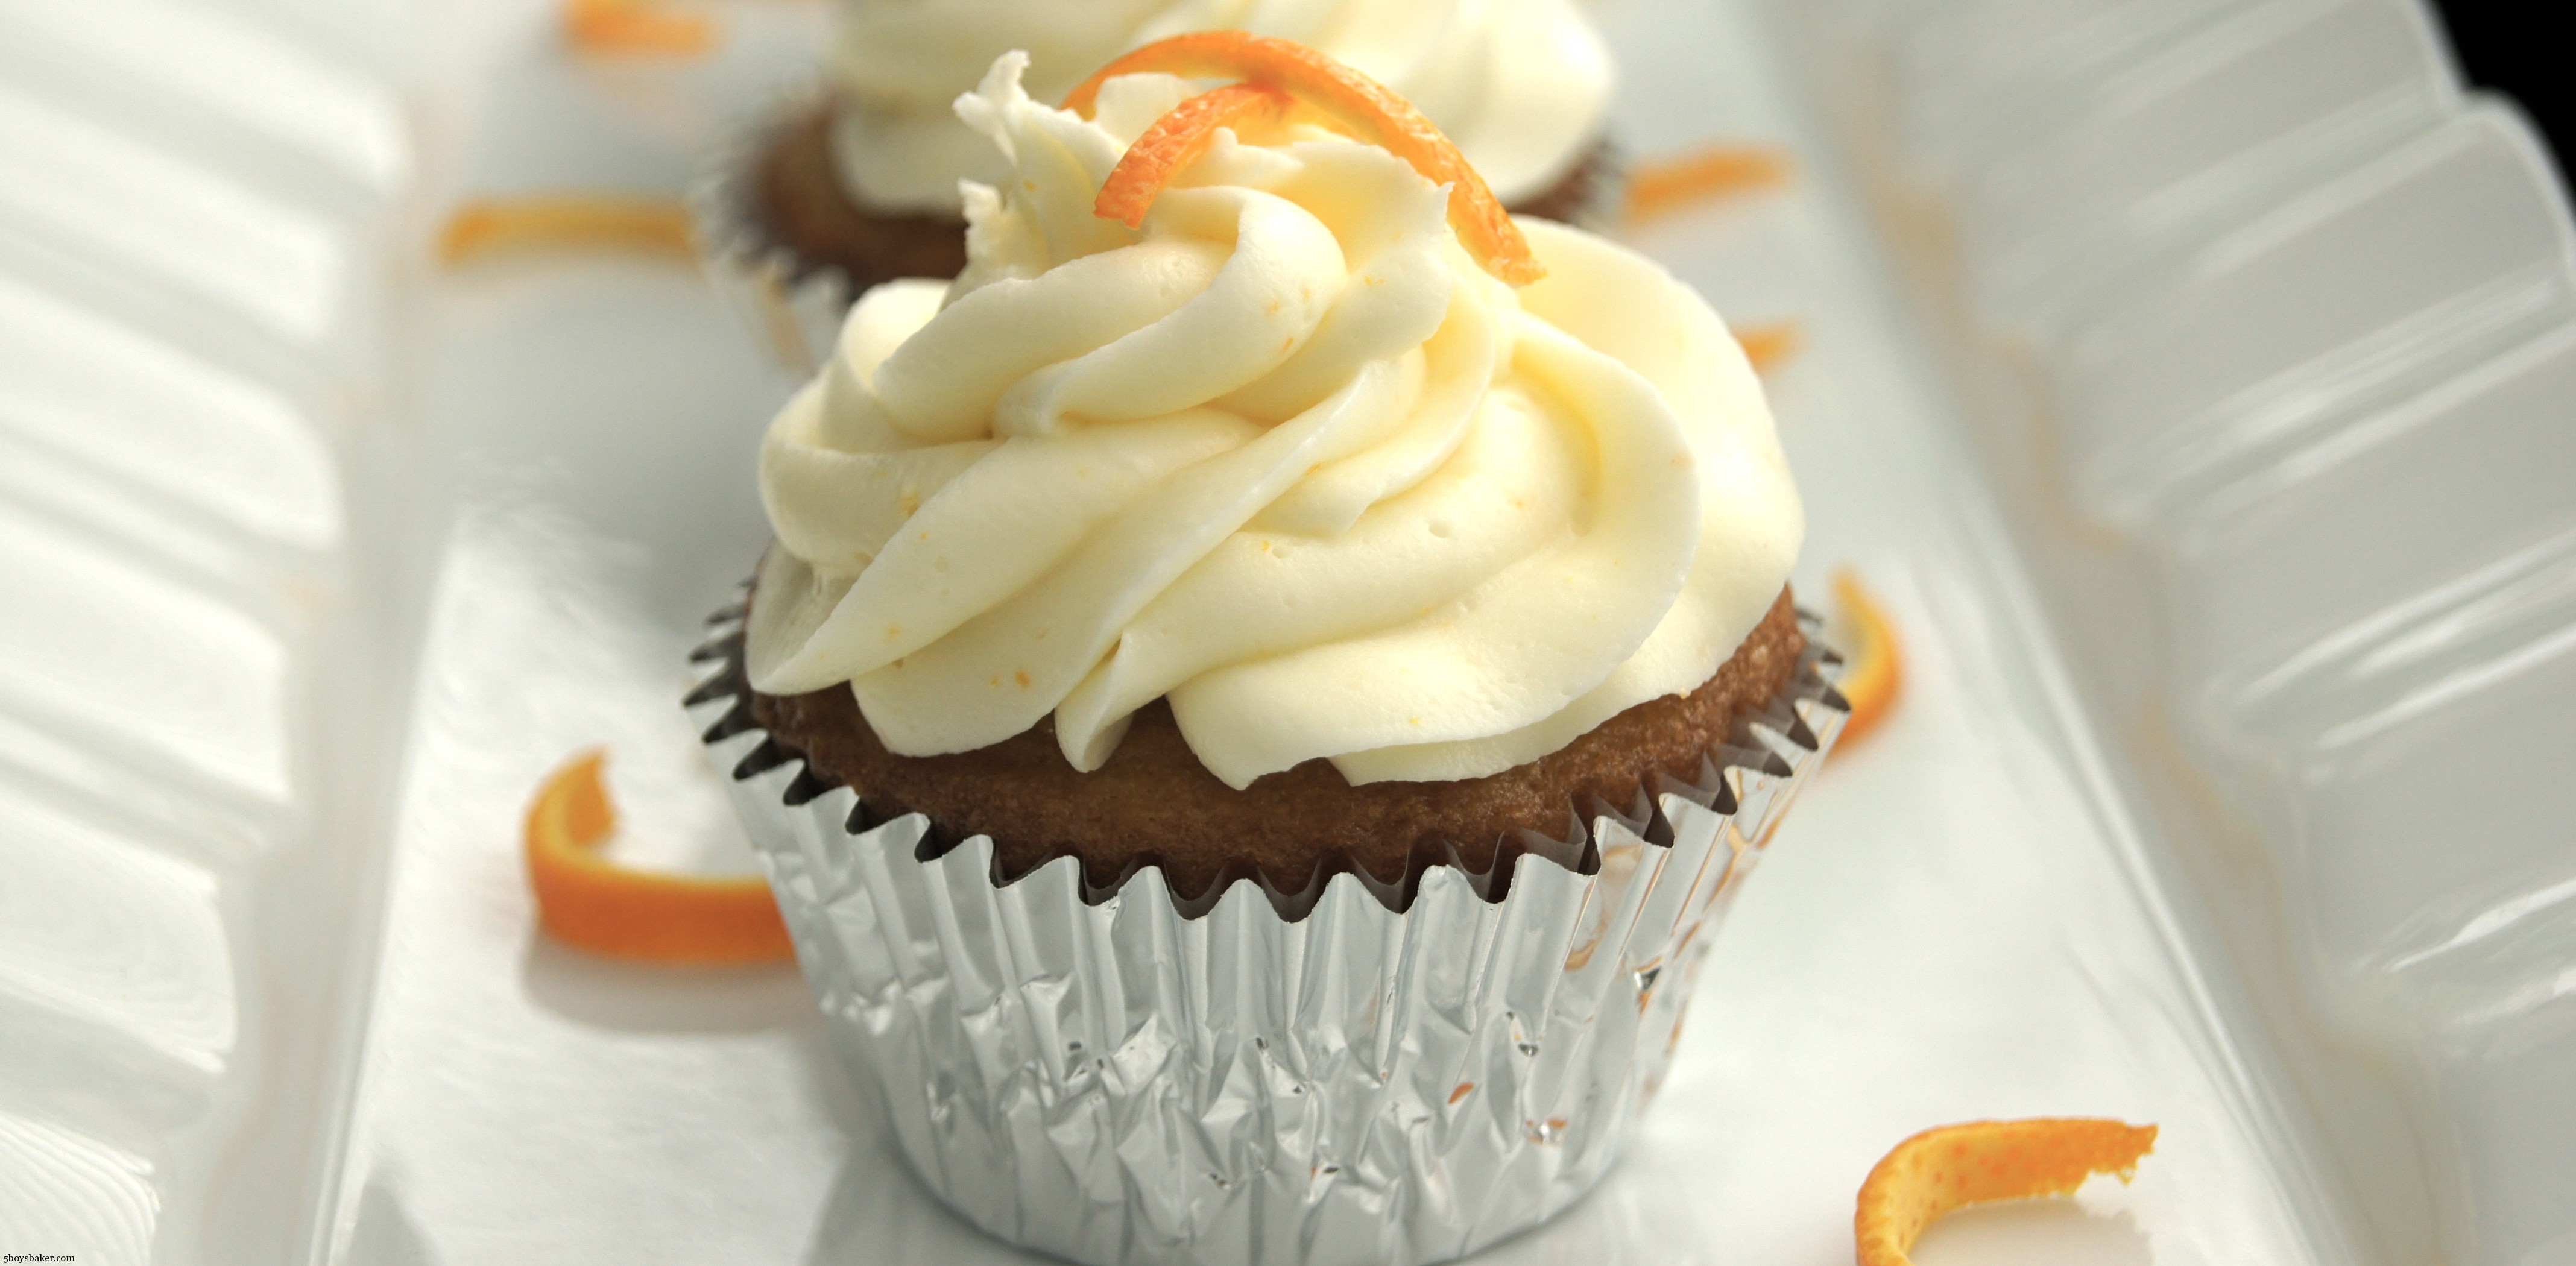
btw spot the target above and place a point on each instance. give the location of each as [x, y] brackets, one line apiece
[859, 184]
[1249, 713]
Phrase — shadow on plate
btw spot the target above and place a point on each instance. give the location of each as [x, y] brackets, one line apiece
[2033, 1233]
[641, 998]
[384, 1233]
[879, 1214]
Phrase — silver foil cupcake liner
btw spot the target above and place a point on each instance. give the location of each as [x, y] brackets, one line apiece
[792, 306]
[1405, 1074]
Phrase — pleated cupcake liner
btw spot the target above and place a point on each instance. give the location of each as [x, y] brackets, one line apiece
[793, 306]
[1395, 1073]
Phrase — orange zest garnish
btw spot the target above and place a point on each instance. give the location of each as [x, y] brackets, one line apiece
[1662, 186]
[656, 226]
[1175, 141]
[586, 900]
[635, 27]
[1356, 104]
[1768, 345]
[1952, 1166]
[1876, 671]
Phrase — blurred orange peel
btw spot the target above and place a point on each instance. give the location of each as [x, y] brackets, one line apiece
[1350, 101]
[630, 28]
[654, 226]
[1662, 186]
[1874, 672]
[1769, 345]
[1953, 1166]
[585, 900]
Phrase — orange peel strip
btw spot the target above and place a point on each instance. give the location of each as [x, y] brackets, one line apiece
[1952, 1166]
[1769, 345]
[583, 899]
[656, 226]
[1876, 671]
[626, 28]
[1665, 185]
[1360, 105]
[1175, 141]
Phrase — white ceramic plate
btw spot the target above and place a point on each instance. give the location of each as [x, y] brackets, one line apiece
[2216, 471]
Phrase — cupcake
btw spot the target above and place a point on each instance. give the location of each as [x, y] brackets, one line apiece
[858, 184]
[1249, 713]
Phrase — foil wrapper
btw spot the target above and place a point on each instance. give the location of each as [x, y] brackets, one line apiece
[1393, 1078]
[793, 306]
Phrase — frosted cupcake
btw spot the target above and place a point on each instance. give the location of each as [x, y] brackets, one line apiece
[1250, 713]
[860, 186]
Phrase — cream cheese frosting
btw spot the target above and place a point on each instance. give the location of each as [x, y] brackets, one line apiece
[1285, 456]
[1522, 86]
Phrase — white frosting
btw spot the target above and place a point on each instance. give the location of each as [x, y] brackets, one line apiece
[1522, 86]
[1287, 457]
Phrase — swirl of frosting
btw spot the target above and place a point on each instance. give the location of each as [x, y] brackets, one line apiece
[1286, 457]
[1521, 86]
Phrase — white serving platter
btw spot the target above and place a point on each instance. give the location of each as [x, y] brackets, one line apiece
[2190, 377]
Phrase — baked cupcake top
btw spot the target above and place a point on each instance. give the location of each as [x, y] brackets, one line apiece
[1521, 85]
[1286, 455]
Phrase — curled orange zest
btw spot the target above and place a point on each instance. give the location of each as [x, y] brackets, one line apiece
[1664, 185]
[1175, 141]
[1768, 345]
[1876, 671]
[1359, 105]
[586, 900]
[1951, 1166]
[655, 226]
[634, 27]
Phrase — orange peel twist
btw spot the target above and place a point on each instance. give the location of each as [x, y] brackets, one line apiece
[1875, 671]
[1769, 345]
[583, 899]
[1665, 185]
[1358, 105]
[1175, 141]
[656, 226]
[635, 28]
[1952, 1166]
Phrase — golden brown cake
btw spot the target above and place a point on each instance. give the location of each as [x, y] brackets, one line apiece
[1153, 790]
